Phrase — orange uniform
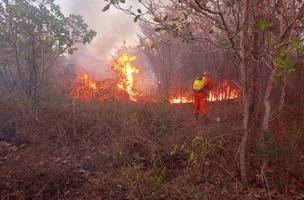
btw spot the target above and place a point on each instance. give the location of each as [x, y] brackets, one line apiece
[200, 98]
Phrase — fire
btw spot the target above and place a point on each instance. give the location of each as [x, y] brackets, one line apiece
[224, 92]
[85, 89]
[125, 69]
[88, 89]
[181, 100]
[221, 93]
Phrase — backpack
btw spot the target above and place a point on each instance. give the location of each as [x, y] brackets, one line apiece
[199, 84]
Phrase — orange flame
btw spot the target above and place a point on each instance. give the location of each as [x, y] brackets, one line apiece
[125, 69]
[221, 93]
[85, 89]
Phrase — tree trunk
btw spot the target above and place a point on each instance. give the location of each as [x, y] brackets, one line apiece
[245, 94]
[267, 103]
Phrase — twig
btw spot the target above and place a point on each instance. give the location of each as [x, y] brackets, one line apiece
[282, 100]
[219, 136]
[44, 186]
[264, 179]
[237, 152]
[225, 170]
[143, 196]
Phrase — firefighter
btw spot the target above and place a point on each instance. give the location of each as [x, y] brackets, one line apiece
[201, 87]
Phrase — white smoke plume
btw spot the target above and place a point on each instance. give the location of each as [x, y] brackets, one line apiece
[113, 28]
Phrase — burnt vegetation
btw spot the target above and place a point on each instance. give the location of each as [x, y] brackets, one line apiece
[66, 135]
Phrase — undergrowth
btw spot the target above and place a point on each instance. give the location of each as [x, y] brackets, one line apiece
[64, 149]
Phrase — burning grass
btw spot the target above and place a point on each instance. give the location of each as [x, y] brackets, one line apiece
[87, 89]
[222, 92]
[127, 150]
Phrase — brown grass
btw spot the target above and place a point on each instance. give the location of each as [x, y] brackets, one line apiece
[124, 150]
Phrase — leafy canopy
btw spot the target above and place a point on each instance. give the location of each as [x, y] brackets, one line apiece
[43, 21]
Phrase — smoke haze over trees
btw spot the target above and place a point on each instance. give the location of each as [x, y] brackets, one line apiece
[113, 30]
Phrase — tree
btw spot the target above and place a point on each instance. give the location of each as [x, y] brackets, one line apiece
[263, 38]
[164, 55]
[33, 34]
[175, 62]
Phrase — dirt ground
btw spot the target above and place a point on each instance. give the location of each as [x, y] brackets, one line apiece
[115, 150]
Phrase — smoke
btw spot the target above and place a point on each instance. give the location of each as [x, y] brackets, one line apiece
[113, 28]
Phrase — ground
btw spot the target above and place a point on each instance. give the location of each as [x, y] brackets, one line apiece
[125, 150]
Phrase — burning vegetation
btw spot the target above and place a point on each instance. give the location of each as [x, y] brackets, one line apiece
[88, 89]
[224, 91]
[126, 70]
[113, 138]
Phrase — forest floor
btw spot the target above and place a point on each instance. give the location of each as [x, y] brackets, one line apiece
[127, 150]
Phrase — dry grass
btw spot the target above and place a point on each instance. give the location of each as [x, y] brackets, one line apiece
[123, 150]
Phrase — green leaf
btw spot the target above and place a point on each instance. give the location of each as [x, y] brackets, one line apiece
[279, 62]
[301, 49]
[136, 18]
[295, 42]
[159, 29]
[106, 7]
[269, 38]
[174, 26]
[285, 59]
[263, 23]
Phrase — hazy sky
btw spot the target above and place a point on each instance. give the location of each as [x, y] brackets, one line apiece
[113, 28]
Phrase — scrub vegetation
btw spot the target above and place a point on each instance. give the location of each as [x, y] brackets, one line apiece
[66, 133]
